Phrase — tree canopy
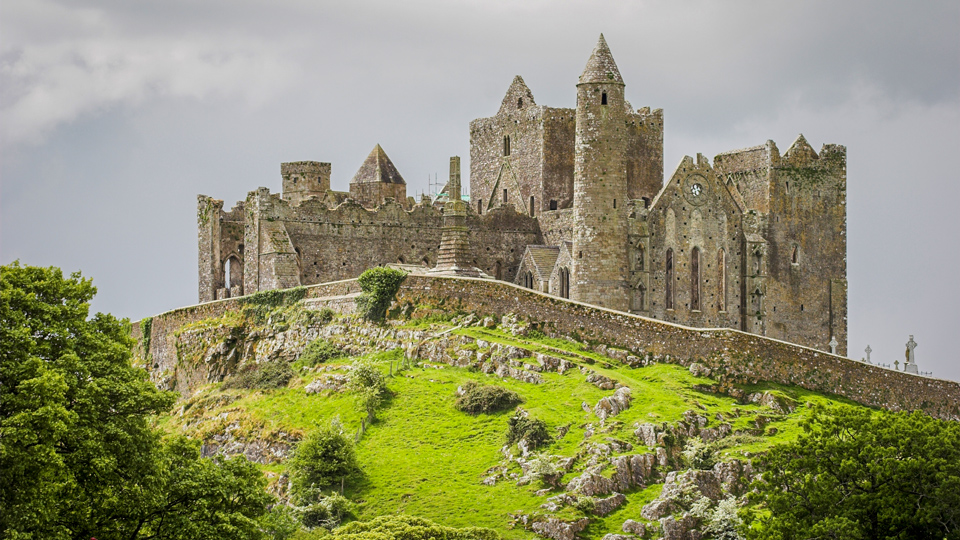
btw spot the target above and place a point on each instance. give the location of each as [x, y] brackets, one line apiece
[79, 457]
[861, 474]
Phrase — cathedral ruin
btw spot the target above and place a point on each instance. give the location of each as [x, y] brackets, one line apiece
[572, 203]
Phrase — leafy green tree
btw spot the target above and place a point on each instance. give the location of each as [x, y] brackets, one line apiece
[857, 474]
[379, 286]
[368, 385]
[78, 455]
[321, 461]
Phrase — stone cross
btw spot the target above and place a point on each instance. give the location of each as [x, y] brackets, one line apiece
[911, 345]
[868, 350]
[833, 345]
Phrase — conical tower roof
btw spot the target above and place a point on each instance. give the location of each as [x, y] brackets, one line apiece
[601, 68]
[377, 168]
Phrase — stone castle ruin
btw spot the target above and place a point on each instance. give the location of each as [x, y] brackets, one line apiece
[572, 203]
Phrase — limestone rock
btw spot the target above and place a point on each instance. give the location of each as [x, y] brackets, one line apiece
[557, 529]
[634, 527]
[648, 434]
[607, 505]
[613, 405]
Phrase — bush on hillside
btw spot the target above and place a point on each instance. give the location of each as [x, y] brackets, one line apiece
[319, 351]
[368, 385]
[379, 286]
[321, 461]
[531, 431]
[409, 528]
[477, 398]
[266, 376]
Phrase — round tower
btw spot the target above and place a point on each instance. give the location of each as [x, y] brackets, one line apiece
[600, 263]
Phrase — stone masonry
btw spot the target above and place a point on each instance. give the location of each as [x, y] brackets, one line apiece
[573, 203]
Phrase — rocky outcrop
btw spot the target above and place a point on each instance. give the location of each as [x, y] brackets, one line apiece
[613, 405]
[558, 529]
[602, 507]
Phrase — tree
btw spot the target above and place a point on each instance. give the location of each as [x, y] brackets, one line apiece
[856, 473]
[368, 385]
[79, 457]
[321, 460]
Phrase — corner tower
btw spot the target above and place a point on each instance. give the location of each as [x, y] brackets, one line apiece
[600, 263]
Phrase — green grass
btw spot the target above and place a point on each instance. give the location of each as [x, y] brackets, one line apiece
[425, 458]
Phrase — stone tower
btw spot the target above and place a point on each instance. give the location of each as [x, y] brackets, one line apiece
[304, 179]
[600, 263]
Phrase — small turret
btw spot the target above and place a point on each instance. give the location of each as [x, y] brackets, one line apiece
[304, 179]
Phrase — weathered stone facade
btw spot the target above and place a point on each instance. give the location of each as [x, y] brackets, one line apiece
[754, 241]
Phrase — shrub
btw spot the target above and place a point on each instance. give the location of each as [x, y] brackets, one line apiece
[698, 454]
[542, 469]
[379, 286]
[328, 513]
[319, 351]
[321, 460]
[403, 527]
[264, 376]
[369, 386]
[530, 430]
[587, 505]
[477, 398]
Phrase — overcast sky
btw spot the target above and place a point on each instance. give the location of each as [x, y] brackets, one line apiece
[114, 115]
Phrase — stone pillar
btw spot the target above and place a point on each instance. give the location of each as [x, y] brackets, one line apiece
[455, 256]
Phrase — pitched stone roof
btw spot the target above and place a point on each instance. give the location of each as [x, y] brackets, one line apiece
[601, 68]
[518, 97]
[377, 168]
[544, 258]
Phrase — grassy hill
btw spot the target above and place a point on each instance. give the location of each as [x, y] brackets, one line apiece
[424, 457]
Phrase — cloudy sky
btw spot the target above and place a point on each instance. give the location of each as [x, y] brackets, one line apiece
[114, 115]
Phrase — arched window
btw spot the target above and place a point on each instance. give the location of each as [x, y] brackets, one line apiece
[640, 256]
[528, 280]
[506, 145]
[695, 279]
[426, 262]
[670, 284]
[401, 260]
[721, 280]
[232, 272]
[603, 98]
[498, 270]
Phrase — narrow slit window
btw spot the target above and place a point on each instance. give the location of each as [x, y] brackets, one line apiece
[695, 279]
[670, 284]
[533, 209]
[506, 145]
[722, 280]
[504, 196]
[480, 206]
[603, 98]
[795, 257]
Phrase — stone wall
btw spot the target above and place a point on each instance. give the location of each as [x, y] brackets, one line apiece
[732, 355]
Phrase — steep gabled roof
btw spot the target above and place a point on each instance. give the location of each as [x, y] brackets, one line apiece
[544, 258]
[601, 68]
[377, 168]
[800, 152]
[518, 97]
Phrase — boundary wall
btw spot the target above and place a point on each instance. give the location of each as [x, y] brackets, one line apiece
[733, 356]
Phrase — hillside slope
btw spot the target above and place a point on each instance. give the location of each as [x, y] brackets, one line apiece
[619, 423]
